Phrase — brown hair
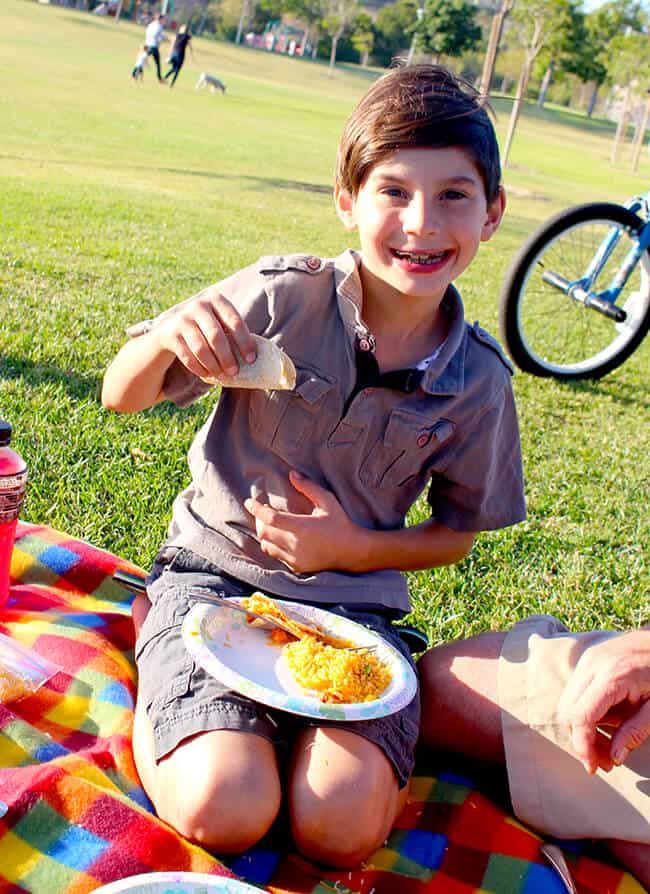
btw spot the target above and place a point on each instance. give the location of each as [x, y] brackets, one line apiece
[417, 106]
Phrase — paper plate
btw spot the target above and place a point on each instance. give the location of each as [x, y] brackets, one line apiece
[242, 658]
[177, 883]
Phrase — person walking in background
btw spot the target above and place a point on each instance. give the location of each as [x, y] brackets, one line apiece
[140, 62]
[154, 36]
[177, 55]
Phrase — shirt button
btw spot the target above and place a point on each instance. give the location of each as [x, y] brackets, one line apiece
[313, 262]
[364, 344]
[423, 440]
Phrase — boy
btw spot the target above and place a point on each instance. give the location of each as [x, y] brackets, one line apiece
[304, 494]
[138, 69]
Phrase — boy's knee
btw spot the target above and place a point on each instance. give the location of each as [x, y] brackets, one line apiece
[225, 817]
[336, 837]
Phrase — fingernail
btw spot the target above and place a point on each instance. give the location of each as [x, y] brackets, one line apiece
[251, 357]
[231, 370]
[620, 755]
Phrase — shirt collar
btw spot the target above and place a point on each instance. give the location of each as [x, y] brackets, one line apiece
[446, 370]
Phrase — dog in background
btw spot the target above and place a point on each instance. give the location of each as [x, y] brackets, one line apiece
[208, 80]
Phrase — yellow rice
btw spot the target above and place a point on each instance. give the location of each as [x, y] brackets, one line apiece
[338, 675]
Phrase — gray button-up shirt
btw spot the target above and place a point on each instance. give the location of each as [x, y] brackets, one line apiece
[456, 433]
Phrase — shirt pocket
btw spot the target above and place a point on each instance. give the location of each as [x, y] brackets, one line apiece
[406, 451]
[285, 420]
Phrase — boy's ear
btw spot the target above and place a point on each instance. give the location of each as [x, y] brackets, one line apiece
[494, 215]
[345, 207]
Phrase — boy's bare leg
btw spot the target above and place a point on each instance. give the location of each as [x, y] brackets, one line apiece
[220, 789]
[460, 713]
[343, 796]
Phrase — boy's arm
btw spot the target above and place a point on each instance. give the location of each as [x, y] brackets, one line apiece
[327, 539]
[199, 333]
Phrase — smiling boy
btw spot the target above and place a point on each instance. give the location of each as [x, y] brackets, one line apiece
[304, 494]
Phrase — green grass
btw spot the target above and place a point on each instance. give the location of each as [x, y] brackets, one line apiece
[119, 199]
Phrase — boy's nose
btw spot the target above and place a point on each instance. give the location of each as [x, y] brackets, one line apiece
[421, 217]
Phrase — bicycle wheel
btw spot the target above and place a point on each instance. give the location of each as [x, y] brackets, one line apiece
[548, 333]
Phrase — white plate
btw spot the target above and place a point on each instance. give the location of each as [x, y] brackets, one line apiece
[177, 883]
[242, 658]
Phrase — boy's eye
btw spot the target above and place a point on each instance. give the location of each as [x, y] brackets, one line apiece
[394, 192]
[453, 195]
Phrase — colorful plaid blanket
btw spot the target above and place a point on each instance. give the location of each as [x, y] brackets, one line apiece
[73, 814]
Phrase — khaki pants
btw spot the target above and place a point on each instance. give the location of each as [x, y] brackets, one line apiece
[550, 789]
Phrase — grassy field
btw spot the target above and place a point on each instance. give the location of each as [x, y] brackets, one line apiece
[119, 199]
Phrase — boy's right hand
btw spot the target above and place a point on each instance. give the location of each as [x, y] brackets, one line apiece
[204, 333]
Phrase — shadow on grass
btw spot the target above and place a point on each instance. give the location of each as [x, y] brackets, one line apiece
[79, 386]
[76, 384]
[624, 393]
[273, 182]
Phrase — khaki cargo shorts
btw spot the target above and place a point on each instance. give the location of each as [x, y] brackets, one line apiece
[550, 789]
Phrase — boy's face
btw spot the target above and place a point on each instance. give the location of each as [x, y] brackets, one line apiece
[421, 214]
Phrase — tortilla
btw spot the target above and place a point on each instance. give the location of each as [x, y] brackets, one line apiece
[272, 370]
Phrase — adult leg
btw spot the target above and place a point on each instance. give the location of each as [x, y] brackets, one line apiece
[343, 796]
[461, 713]
[177, 68]
[459, 697]
[153, 51]
[220, 789]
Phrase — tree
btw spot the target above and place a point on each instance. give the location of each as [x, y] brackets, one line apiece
[536, 22]
[603, 24]
[628, 66]
[340, 13]
[392, 24]
[563, 44]
[446, 27]
[311, 12]
[496, 30]
[363, 36]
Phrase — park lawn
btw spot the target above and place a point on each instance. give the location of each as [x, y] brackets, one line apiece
[119, 199]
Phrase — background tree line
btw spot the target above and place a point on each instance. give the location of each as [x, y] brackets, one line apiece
[537, 49]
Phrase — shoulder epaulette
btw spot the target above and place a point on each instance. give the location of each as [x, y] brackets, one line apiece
[486, 339]
[280, 263]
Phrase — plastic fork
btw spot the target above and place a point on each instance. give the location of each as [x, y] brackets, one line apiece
[213, 598]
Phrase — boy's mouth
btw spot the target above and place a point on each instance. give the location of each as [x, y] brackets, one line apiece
[421, 259]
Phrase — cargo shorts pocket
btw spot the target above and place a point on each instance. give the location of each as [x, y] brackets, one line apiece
[406, 451]
[164, 665]
[286, 418]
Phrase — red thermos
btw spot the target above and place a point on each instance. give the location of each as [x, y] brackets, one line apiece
[13, 481]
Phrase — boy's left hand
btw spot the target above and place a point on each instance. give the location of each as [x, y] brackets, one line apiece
[326, 538]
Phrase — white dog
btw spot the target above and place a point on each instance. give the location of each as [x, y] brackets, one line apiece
[208, 80]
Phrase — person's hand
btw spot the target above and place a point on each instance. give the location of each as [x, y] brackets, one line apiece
[202, 333]
[323, 539]
[609, 688]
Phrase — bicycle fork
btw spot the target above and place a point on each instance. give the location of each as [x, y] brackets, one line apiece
[581, 289]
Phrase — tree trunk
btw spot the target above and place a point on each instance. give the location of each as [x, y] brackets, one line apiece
[242, 18]
[516, 108]
[640, 135]
[622, 124]
[118, 11]
[335, 41]
[546, 83]
[592, 101]
[496, 31]
[204, 16]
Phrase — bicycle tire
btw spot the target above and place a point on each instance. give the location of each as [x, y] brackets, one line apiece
[535, 336]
